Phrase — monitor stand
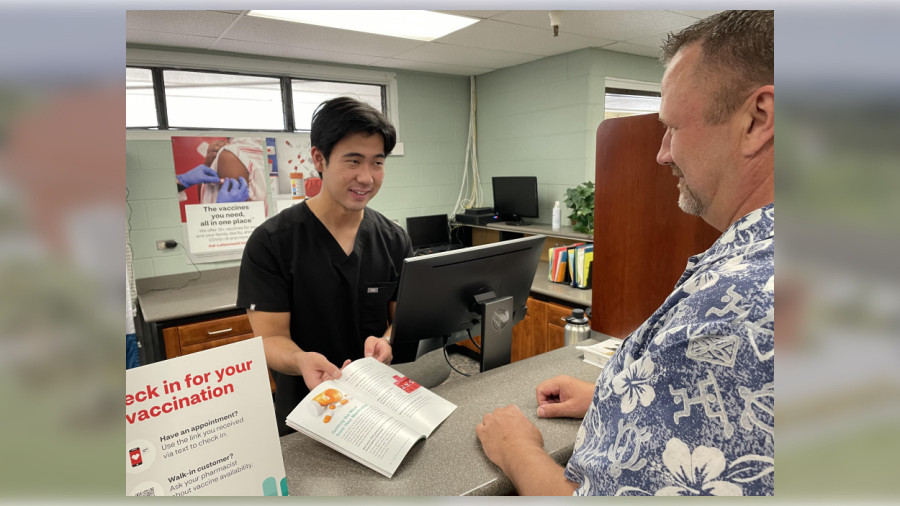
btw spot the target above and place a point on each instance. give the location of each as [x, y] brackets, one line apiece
[515, 220]
[496, 329]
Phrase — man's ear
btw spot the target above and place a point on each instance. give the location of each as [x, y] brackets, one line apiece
[318, 159]
[760, 129]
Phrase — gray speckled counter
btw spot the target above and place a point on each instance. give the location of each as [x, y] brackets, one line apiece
[181, 295]
[451, 461]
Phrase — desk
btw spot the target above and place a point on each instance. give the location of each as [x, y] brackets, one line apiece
[451, 461]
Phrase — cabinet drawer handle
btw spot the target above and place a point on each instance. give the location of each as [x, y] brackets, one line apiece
[218, 331]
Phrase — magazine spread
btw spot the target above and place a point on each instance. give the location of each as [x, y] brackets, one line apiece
[372, 414]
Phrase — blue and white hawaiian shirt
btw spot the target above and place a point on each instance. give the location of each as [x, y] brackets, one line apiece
[686, 406]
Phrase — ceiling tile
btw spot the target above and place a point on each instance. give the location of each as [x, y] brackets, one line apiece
[299, 53]
[627, 47]
[466, 56]
[168, 39]
[202, 23]
[520, 39]
[616, 25]
[439, 68]
[474, 14]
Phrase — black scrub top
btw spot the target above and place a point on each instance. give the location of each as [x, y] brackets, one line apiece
[292, 263]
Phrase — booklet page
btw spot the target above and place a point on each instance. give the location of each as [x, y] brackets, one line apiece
[401, 396]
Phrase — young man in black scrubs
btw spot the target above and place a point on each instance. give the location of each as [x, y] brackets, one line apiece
[319, 279]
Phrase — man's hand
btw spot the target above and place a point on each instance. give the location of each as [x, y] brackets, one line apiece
[378, 348]
[233, 191]
[315, 368]
[507, 433]
[564, 396]
[197, 175]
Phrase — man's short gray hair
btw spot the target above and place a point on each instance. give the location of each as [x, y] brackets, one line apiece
[738, 52]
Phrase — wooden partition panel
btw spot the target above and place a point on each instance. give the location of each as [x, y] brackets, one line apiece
[642, 240]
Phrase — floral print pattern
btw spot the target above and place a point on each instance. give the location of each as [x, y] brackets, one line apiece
[685, 406]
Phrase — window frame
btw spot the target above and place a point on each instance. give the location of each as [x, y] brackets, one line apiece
[158, 61]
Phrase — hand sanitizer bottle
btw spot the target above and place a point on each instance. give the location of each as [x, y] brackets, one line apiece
[555, 224]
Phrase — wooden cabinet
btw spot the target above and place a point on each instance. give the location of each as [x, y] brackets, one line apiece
[203, 335]
[542, 330]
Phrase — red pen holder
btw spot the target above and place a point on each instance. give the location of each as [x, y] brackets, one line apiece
[313, 186]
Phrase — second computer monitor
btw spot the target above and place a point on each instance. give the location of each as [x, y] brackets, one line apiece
[515, 197]
[427, 231]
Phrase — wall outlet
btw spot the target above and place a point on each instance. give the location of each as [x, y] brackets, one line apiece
[161, 245]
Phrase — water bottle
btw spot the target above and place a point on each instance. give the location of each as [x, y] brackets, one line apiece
[577, 327]
[556, 216]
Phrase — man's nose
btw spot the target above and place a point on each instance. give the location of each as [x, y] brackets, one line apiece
[664, 155]
[365, 175]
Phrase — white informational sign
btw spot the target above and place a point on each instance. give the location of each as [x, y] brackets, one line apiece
[203, 424]
[222, 228]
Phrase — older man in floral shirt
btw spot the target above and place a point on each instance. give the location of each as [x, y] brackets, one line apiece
[685, 407]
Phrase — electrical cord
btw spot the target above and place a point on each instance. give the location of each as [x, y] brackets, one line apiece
[128, 214]
[469, 331]
[447, 358]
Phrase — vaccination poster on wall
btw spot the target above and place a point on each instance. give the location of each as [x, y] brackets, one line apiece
[221, 183]
[203, 424]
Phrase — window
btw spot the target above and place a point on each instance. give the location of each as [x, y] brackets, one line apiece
[191, 91]
[140, 104]
[307, 95]
[621, 102]
[230, 101]
[626, 97]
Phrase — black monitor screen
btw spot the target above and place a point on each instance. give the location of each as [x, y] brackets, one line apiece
[441, 294]
[516, 197]
[428, 230]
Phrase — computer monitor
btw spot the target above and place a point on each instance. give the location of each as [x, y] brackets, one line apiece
[428, 230]
[515, 197]
[441, 294]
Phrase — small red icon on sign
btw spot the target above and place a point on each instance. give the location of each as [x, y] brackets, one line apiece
[136, 459]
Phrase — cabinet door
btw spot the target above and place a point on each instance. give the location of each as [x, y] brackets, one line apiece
[528, 335]
[194, 348]
[214, 330]
[204, 335]
[556, 326]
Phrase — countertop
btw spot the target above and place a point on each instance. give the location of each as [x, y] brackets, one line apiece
[182, 295]
[559, 291]
[165, 298]
[541, 228]
[450, 461]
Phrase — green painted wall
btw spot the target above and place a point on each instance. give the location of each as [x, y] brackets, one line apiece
[540, 118]
[535, 119]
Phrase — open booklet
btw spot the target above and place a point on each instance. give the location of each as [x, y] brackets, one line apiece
[372, 414]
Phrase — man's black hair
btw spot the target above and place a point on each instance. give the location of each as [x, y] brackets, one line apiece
[336, 118]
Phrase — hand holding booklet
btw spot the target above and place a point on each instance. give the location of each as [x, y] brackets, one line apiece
[372, 414]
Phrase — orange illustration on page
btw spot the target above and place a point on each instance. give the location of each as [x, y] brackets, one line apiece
[327, 403]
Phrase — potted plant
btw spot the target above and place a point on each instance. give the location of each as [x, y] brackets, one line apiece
[580, 200]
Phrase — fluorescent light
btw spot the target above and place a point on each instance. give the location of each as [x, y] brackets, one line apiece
[419, 25]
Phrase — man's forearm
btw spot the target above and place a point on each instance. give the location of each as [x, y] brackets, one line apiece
[533, 472]
[279, 352]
